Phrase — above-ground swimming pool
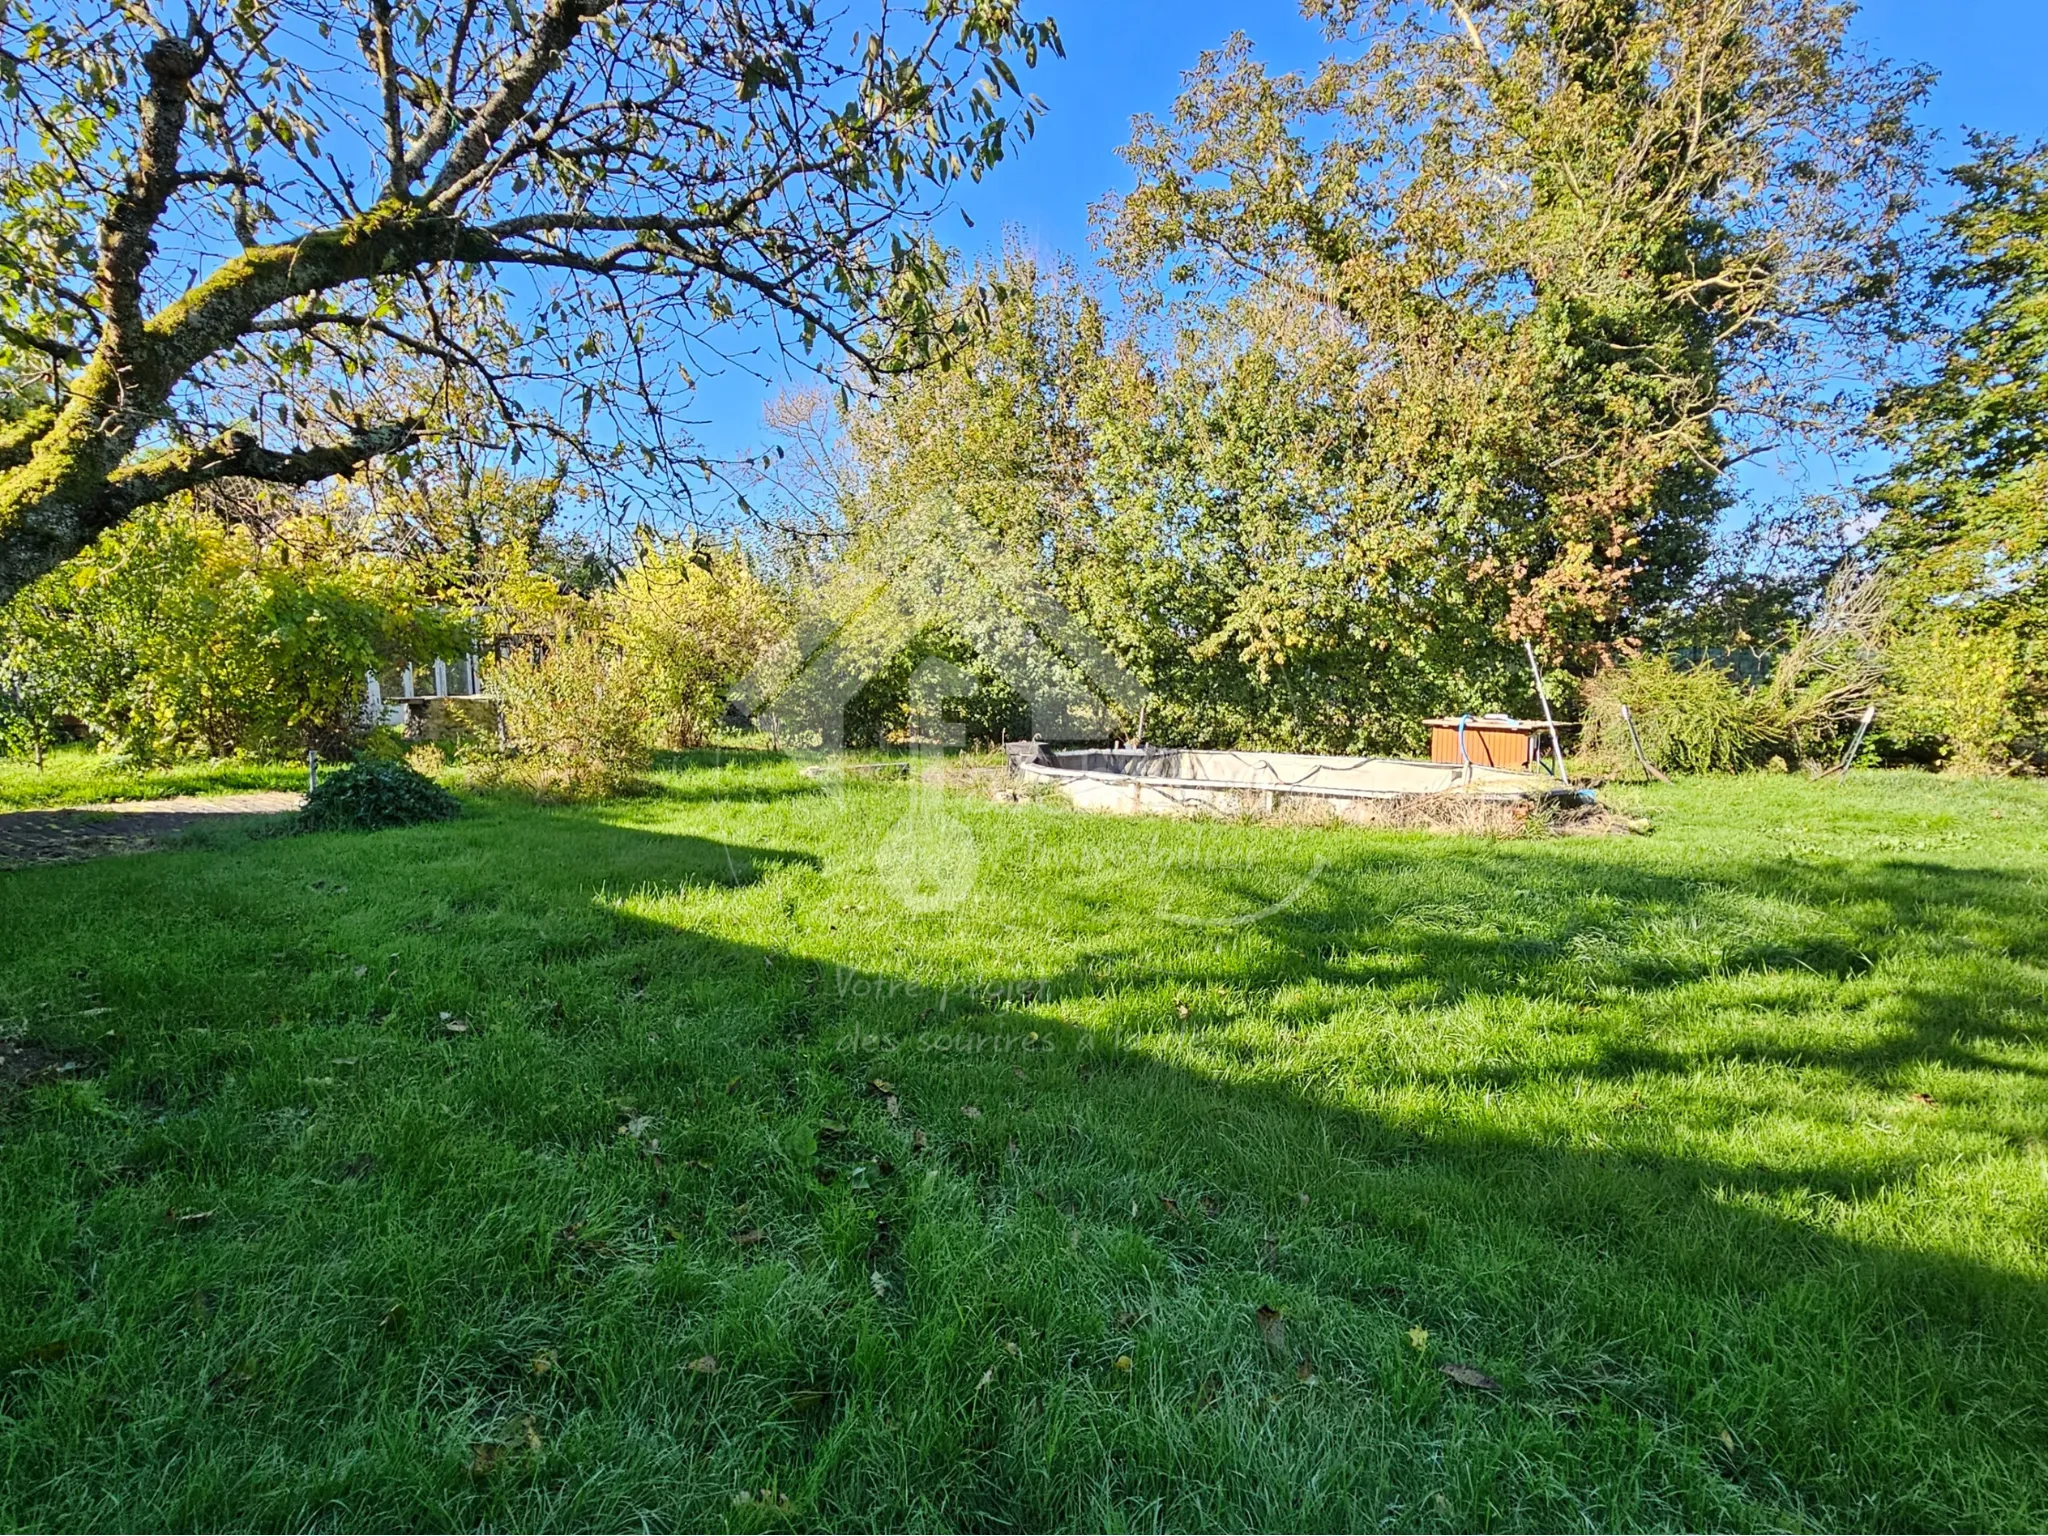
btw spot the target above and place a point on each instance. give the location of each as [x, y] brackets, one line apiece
[1172, 779]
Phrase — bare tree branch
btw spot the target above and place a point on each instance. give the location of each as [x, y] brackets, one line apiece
[237, 455]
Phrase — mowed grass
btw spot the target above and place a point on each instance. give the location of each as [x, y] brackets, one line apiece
[80, 776]
[1721, 1150]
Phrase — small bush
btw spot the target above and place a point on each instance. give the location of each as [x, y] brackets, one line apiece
[1956, 693]
[577, 722]
[1691, 719]
[368, 796]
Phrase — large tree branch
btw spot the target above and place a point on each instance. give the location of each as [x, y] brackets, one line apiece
[126, 236]
[18, 438]
[238, 456]
[552, 34]
[387, 81]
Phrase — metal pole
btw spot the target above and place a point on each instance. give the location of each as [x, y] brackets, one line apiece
[1556, 747]
[1636, 741]
[1856, 741]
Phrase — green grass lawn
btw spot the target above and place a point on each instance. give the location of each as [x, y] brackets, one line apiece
[81, 776]
[420, 1179]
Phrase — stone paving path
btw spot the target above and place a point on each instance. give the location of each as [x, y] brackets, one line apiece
[130, 826]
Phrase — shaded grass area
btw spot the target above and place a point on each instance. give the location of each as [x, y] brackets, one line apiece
[81, 776]
[656, 1164]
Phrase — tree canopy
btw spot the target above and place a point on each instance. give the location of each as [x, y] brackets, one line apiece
[1964, 531]
[260, 243]
[1546, 267]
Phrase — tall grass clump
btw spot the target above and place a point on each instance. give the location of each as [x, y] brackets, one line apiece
[1692, 719]
[575, 721]
[1833, 667]
[1697, 718]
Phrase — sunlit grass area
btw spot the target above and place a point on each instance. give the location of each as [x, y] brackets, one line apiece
[81, 776]
[658, 1164]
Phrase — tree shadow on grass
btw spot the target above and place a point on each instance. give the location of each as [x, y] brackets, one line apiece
[1769, 937]
[1634, 1297]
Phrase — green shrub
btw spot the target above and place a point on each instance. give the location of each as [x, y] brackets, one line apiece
[175, 636]
[1694, 719]
[578, 721]
[368, 796]
[690, 620]
[1957, 691]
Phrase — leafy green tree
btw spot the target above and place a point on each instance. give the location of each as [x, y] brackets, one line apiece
[1964, 531]
[173, 635]
[30, 704]
[547, 206]
[690, 618]
[1540, 270]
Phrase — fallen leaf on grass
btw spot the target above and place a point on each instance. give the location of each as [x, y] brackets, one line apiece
[1305, 1370]
[1727, 1441]
[1123, 1362]
[971, 1111]
[1924, 1098]
[1466, 1376]
[882, 1086]
[893, 1105]
[1180, 1010]
[879, 1282]
[542, 1364]
[1419, 1337]
[183, 1219]
[1273, 1329]
[705, 1365]
[456, 1027]
[917, 1141]
[749, 1238]
[1172, 1205]
[987, 1378]
[487, 1456]
[1011, 1346]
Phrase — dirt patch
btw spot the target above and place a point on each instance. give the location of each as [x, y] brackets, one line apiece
[1589, 821]
[135, 826]
[22, 1063]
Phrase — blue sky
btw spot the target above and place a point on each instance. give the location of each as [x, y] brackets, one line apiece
[1127, 56]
